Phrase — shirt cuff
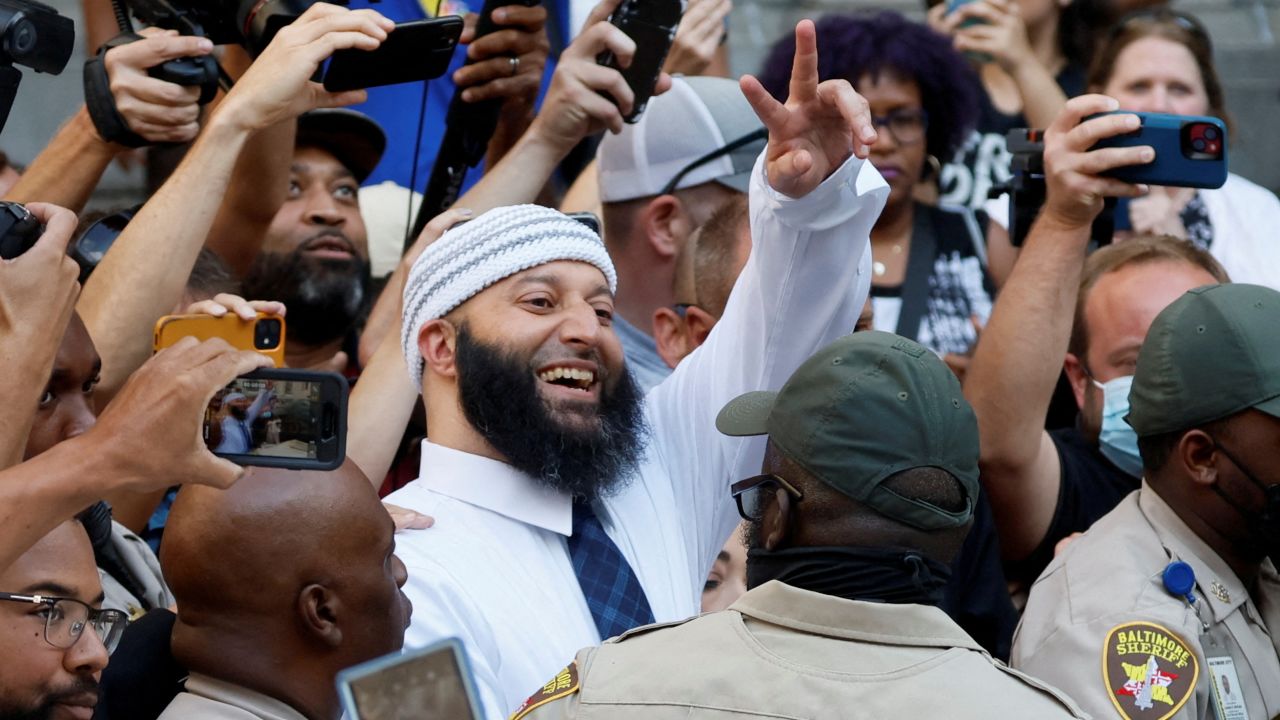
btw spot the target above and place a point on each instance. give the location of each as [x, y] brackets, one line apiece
[830, 204]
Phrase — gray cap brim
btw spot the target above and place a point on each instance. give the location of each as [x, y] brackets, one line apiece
[747, 414]
[740, 182]
[1270, 407]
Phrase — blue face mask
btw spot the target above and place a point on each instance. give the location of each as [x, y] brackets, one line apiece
[1117, 440]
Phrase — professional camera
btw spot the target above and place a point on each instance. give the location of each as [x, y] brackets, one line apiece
[31, 34]
[251, 23]
[1026, 189]
[19, 230]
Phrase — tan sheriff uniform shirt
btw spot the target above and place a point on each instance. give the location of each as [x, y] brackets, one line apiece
[781, 652]
[205, 698]
[1101, 626]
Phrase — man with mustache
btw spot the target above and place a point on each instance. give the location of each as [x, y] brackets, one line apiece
[568, 508]
[869, 487]
[315, 257]
[53, 664]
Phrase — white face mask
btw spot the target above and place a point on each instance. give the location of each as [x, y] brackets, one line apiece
[1117, 439]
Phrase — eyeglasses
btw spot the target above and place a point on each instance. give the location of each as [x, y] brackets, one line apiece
[749, 494]
[66, 618]
[753, 136]
[906, 126]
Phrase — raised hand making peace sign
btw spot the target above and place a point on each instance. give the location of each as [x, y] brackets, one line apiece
[818, 128]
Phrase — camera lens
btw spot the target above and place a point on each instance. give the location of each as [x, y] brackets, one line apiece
[24, 37]
[1210, 133]
[1198, 144]
[266, 334]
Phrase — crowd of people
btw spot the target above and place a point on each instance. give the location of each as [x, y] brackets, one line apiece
[753, 407]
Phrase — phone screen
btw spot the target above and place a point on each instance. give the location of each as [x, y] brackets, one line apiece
[425, 685]
[268, 418]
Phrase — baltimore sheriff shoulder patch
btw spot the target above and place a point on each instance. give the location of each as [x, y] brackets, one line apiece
[564, 684]
[1148, 670]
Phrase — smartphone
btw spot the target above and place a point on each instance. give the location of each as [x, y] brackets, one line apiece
[1191, 151]
[588, 219]
[977, 57]
[652, 25]
[264, 334]
[414, 51]
[431, 683]
[280, 418]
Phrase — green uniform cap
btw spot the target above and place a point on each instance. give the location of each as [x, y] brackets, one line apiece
[1212, 353]
[865, 407]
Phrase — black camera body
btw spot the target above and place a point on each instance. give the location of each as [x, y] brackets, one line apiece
[35, 35]
[251, 23]
[19, 230]
[1027, 191]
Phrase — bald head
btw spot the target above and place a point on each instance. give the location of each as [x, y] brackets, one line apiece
[285, 566]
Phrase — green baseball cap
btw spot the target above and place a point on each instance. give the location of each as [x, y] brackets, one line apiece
[1212, 353]
[865, 407]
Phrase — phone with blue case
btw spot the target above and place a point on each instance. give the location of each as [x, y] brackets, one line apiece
[1191, 151]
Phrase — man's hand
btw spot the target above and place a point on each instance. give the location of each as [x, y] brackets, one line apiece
[151, 433]
[223, 303]
[492, 74]
[158, 111]
[818, 128]
[700, 34]
[574, 107]
[1075, 191]
[278, 85]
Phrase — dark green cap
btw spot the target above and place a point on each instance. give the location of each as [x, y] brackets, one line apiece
[1212, 353]
[865, 407]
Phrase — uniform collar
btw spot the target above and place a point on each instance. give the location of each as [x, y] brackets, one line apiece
[912, 625]
[494, 486]
[255, 703]
[1214, 577]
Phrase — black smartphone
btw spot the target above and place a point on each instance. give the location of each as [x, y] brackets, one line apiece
[588, 219]
[418, 50]
[280, 418]
[1191, 151]
[652, 25]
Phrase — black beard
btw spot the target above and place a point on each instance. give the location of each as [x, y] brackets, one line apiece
[325, 298]
[499, 396]
[45, 710]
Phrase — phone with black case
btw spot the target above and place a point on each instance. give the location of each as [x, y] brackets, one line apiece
[652, 25]
[293, 419]
[1191, 151]
[418, 50]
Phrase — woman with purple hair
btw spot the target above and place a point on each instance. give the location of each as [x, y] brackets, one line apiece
[929, 279]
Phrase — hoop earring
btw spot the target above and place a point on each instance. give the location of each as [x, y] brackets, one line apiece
[935, 167]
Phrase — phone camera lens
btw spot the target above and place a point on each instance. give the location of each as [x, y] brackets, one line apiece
[266, 334]
[1210, 133]
[1198, 144]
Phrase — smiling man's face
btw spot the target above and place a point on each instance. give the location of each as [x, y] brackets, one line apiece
[37, 680]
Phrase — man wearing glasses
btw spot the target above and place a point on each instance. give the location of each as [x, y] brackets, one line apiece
[690, 152]
[54, 638]
[869, 486]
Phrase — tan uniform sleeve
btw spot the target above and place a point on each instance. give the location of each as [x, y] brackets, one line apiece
[557, 699]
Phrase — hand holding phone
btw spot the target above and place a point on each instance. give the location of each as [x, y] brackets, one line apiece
[264, 334]
[1190, 151]
[652, 25]
[418, 50]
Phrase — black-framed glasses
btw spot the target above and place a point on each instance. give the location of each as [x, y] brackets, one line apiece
[753, 136]
[749, 493]
[906, 126]
[66, 618]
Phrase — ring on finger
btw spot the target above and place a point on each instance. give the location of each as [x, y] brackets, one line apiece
[515, 65]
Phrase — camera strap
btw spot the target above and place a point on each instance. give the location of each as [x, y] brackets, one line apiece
[99, 101]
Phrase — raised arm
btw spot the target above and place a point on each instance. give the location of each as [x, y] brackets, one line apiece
[69, 168]
[813, 201]
[1016, 364]
[144, 274]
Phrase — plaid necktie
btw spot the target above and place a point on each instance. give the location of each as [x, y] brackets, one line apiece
[610, 587]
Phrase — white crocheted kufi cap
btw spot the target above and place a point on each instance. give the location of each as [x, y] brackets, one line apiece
[494, 246]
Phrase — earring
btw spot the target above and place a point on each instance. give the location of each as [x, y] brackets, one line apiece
[935, 166]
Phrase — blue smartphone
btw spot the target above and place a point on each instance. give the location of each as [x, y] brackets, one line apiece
[1191, 151]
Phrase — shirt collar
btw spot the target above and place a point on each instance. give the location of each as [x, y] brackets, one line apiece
[253, 702]
[495, 486]
[1214, 577]
[887, 623]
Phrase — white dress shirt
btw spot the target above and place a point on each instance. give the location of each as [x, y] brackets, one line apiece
[495, 571]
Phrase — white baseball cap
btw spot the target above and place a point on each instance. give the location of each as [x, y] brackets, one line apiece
[701, 130]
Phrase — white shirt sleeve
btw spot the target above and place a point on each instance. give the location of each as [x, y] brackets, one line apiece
[803, 286]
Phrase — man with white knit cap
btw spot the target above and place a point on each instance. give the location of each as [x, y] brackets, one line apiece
[568, 508]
